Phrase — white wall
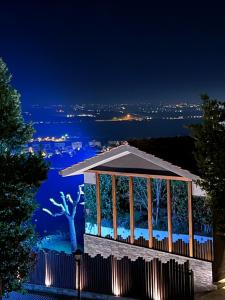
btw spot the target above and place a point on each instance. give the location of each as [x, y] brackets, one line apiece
[89, 178]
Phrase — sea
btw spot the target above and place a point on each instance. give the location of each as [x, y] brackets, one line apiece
[121, 130]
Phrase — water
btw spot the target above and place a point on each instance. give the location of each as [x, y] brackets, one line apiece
[117, 130]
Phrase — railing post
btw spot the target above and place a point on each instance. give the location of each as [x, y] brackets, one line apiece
[190, 220]
[150, 227]
[114, 207]
[169, 216]
[131, 198]
[98, 203]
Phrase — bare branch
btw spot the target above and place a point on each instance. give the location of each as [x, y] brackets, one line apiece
[81, 189]
[79, 193]
[52, 214]
[69, 198]
[64, 202]
[57, 204]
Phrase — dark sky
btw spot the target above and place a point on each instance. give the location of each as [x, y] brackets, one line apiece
[114, 50]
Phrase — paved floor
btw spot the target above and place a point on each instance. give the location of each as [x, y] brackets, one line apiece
[215, 295]
[18, 296]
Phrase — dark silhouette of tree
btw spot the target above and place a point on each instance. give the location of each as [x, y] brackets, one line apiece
[21, 175]
[209, 153]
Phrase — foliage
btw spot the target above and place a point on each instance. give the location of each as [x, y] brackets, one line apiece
[202, 215]
[179, 206]
[159, 204]
[90, 203]
[140, 202]
[21, 175]
[122, 201]
[106, 199]
[210, 156]
[14, 133]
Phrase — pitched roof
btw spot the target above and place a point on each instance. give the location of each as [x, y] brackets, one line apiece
[125, 151]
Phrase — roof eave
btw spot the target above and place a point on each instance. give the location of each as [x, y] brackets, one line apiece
[118, 152]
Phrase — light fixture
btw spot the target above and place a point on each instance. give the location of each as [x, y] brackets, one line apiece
[77, 255]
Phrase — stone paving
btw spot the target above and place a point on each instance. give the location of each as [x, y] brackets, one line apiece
[215, 295]
[18, 296]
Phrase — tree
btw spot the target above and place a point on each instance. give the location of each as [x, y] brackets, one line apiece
[69, 213]
[209, 153]
[180, 206]
[158, 197]
[21, 175]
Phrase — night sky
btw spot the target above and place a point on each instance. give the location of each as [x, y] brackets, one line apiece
[114, 50]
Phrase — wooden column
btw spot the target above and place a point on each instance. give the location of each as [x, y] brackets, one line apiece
[169, 216]
[98, 203]
[114, 206]
[131, 196]
[190, 220]
[150, 227]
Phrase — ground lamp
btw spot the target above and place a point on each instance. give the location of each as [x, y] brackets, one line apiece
[77, 255]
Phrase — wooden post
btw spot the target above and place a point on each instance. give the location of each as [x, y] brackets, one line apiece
[190, 220]
[150, 227]
[169, 216]
[131, 198]
[98, 203]
[114, 206]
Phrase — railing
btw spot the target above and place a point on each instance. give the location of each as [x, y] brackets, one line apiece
[202, 251]
[137, 279]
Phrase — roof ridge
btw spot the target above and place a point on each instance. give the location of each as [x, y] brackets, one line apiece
[94, 157]
[118, 152]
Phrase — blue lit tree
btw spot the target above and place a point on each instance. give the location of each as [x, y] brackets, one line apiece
[68, 208]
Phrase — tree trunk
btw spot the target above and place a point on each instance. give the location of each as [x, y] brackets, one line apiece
[0, 289]
[218, 265]
[73, 236]
[158, 194]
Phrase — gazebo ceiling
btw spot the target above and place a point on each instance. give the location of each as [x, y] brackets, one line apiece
[133, 164]
[128, 159]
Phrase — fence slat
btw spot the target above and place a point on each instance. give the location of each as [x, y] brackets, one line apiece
[124, 277]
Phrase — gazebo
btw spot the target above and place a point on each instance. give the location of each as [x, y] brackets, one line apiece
[131, 163]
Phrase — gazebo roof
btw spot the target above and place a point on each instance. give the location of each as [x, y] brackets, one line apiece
[128, 159]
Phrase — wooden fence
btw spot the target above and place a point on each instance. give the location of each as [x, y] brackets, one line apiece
[55, 269]
[202, 251]
[138, 279]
